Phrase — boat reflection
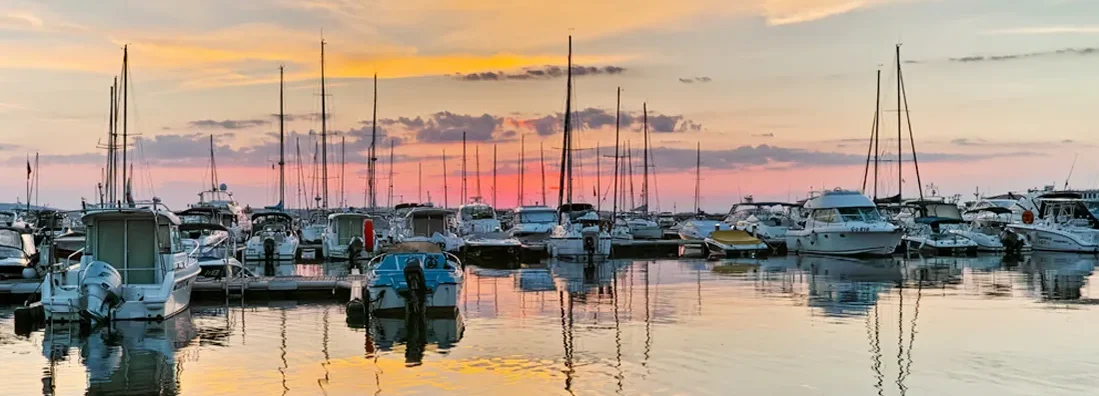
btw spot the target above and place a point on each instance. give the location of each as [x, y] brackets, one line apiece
[123, 358]
[1058, 276]
[843, 287]
[418, 334]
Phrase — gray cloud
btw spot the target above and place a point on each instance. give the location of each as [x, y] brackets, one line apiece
[593, 118]
[691, 80]
[541, 73]
[1026, 55]
[444, 126]
[978, 142]
[302, 117]
[227, 124]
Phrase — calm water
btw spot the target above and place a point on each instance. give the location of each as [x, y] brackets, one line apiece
[784, 326]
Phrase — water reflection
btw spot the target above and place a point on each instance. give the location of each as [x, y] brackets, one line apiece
[785, 325]
[124, 358]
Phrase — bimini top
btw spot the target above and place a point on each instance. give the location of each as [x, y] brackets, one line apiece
[990, 209]
[840, 199]
[424, 211]
[163, 214]
[575, 207]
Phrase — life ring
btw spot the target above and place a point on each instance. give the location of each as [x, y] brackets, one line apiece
[1028, 217]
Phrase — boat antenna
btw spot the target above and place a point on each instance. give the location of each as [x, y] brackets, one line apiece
[282, 143]
[908, 117]
[477, 168]
[1071, 169]
[324, 135]
[617, 120]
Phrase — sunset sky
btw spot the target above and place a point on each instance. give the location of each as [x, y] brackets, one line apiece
[779, 93]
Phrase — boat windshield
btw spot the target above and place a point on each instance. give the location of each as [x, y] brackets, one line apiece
[538, 217]
[7, 218]
[866, 214]
[195, 219]
[478, 213]
[11, 238]
[1093, 207]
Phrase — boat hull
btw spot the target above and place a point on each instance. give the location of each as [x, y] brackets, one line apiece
[742, 250]
[573, 249]
[285, 250]
[1058, 240]
[387, 300]
[843, 243]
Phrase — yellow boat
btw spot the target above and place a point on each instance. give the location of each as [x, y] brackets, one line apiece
[735, 243]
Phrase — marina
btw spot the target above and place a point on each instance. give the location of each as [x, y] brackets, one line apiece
[289, 198]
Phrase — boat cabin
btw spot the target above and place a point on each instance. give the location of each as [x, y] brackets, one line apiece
[347, 226]
[842, 206]
[141, 243]
[207, 215]
[1077, 212]
[425, 222]
[476, 211]
[535, 214]
[272, 222]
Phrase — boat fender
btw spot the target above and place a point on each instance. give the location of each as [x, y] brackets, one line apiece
[368, 235]
[1028, 217]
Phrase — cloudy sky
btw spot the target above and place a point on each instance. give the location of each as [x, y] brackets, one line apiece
[778, 93]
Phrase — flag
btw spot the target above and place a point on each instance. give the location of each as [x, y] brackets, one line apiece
[28, 169]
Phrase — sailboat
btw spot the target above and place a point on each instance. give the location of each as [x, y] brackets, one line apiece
[134, 266]
[274, 236]
[220, 200]
[316, 221]
[579, 234]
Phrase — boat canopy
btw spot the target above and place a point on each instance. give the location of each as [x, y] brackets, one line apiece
[132, 239]
[839, 199]
[477, 211]
[271, 215]
[575, 207]
[936, 209]
[990, 209]
[1080, 209]
[425, 222]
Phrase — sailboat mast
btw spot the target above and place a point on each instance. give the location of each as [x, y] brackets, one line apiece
[911, 138]
[343, 164]
[617, 120]
[372, 164]
[389, 203]
[297, 149]
[420, 185]
[446, 194]
[900, 156]
[877, 134]
[542, 154]
[477, 168]
[213, 167]
[598, 181]
[629, 160]
[698, 178]
[645, 154]
[494, 190]
[125, 108]
[111, 141]
[522, 169]
[282, 143]
[324, 135]
[565, 134]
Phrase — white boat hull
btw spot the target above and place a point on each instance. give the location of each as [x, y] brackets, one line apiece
[573, 248]
[64, 302]
[444, 298]
[1059, 240]
[844, 243]
[285, 250]
[718, 248]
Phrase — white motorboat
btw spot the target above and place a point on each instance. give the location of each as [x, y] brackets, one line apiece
[580, 235]
[987, 228]
[414, 276]
[843, 223]
[349, 235]
[932, 227]
[429, 224]
[215, 256]
[764, 220]
[134, 267]
[700, 229]
[231, 214]
[533, 224]
[18, 254]
[484, 240]
[10, 218]
[1065, 225]
[273, 237]
[206, 235]
[640, 226]
[313, 226]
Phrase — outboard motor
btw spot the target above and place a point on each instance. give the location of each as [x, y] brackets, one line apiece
[269, 249]
[591, 242]
[101, 287]
[417, 286]
[354, 249]
[1013, 244]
